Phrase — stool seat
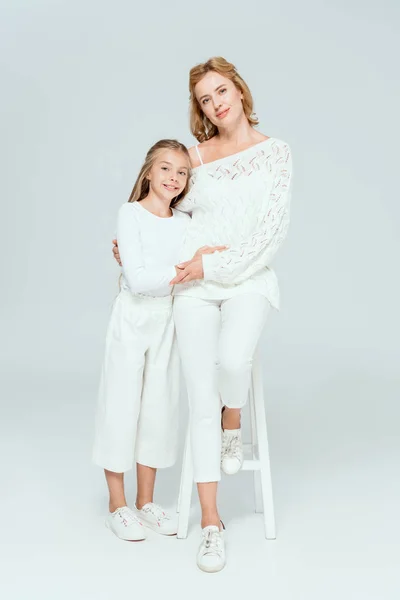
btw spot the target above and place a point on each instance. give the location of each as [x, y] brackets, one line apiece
[259, 462]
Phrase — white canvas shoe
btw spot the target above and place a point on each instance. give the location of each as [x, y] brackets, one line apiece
[124, 523]
[153, 516]
[211, 553]
[231, 451]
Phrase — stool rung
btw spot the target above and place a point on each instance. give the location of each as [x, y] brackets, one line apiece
[247, 447]
[251, 465]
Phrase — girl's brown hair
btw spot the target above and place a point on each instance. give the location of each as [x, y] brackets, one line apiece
[201, 127]
[142, 184]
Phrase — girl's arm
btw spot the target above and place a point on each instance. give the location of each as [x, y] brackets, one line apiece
[239, 263]
[140, 278]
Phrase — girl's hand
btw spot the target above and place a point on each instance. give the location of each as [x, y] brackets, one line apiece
[116, 253]
[193, 269]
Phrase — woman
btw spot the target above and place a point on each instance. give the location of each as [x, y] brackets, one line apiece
[239, 197]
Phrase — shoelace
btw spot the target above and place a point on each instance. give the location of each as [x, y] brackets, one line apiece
[212, 542]
[157, 511]
[127, 517]
[232, 447]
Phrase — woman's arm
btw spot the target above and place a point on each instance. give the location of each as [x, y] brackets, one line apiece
[239, 263]
[140, 278]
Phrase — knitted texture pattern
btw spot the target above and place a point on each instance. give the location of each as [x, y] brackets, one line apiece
[242, 201]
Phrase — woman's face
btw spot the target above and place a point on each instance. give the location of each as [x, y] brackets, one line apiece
[169, 174]
[219, 99]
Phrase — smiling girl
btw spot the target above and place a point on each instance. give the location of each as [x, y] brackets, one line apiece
[137, 415]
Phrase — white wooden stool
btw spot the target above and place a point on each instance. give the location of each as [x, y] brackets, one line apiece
[259, 463]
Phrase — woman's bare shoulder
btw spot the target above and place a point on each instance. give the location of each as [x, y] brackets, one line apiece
[194, 158]
[204, 147]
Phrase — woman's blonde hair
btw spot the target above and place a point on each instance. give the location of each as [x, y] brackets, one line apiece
[201, 127]
[142, 185]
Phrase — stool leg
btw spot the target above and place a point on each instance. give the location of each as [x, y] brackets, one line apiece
[263, 450]
[185, 491]
[178, 504]
[254, 449]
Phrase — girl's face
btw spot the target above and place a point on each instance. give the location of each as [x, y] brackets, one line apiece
[169, 174]
[219, 99]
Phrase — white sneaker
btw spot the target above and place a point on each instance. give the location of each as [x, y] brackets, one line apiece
[124, 523]
[231, 451]
[153, 516]
[211, 554]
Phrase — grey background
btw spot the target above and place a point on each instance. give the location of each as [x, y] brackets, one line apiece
[87, 87]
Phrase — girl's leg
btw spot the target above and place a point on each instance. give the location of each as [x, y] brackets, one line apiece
[120, 390]
[158, 426]
[119, 406]
[121, 519]
[146, 477]
[157, 437]
[115, 483]
[150, 514]
[198, 326]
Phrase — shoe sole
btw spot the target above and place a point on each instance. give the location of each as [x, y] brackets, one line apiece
[124, 539]
[210, 569]
[233, 473]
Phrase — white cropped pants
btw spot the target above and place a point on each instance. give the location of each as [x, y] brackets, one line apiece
[217, 340]
[137, 414]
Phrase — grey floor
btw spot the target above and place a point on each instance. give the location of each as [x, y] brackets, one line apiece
[336, 486]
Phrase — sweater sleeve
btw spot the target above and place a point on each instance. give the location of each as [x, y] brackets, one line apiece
[140, 278]
[239, 263]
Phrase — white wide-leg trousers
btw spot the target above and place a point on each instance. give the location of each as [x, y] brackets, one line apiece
[217, 340]
[137, 414]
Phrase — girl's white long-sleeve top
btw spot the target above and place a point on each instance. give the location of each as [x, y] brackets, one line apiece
[150, 247]
[242, 201]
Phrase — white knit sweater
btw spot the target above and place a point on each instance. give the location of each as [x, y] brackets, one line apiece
[241, 201]
[149, 246]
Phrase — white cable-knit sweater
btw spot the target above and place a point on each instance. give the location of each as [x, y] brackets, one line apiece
[241, 201]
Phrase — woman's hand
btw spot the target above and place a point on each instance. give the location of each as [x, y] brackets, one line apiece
[208, 250]
[116, 253]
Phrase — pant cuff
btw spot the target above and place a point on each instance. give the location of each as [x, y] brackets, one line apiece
[209, 479]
